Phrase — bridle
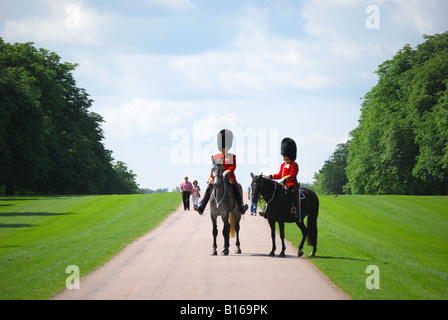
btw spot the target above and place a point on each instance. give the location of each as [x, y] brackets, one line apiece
[218, 202]
[273, 193]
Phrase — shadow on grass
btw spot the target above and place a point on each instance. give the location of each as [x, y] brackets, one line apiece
[18, 199]
[340, 258]
[16, 225]
[29, 214]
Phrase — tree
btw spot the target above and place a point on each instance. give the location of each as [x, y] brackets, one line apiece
[125, 179]
[331, 179]
[50, 143]
[22, 138]
[401, 143]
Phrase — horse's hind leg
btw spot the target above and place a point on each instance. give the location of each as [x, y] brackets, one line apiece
[304, 230]
[225, 233]
[272, 225]
[237, 231]
[281, 226]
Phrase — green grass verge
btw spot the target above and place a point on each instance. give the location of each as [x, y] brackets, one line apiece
[41, 236]
[405, 236]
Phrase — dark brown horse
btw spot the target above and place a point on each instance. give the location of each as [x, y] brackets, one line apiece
[278, 210]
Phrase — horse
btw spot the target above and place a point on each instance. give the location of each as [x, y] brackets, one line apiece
[223, 203]
[278, 210]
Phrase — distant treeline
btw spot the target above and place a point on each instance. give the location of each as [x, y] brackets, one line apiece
[50, 143]
[150, 191]
[401, 143]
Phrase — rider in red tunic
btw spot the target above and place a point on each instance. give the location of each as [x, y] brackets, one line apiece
[289, 171]
[228, 160]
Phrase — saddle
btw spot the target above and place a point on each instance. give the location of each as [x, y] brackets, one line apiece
[299, 189]
[240, 188]
[299, 196]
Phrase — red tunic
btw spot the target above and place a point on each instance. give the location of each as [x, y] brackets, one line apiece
[288, 169]
[228, 163]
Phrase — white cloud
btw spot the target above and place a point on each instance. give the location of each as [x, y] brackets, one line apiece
[70, 22]
[142, 119]
[416, 14]
[337, 51]
[213, 121]
[177, 5]
[147, 120]
[257, 60]
[344, 20]
[323, 67]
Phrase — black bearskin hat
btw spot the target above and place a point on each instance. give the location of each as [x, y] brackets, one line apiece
[225, 139]
[289, 149]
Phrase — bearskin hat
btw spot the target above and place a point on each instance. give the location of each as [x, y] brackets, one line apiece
[289, 149]
[225, 139]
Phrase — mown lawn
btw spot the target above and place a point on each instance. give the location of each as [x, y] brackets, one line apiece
[406, 237]
[41, 236]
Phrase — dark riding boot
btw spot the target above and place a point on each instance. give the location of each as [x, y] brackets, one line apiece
[293, 199]
[243, 207]
[204, 201]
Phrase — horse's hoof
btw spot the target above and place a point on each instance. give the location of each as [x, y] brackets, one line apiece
[214, 253]
[313, 254]
[225, 252]
[300, 253]
[272, 254]
[281, 255]
[238, 250]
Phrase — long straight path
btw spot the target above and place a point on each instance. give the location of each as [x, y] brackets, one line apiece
[173, 262]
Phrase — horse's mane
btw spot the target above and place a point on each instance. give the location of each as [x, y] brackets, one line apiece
[266, 181]
[273, 182]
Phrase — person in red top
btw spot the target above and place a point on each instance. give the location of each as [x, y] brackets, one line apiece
[289, 171]
[228, 160]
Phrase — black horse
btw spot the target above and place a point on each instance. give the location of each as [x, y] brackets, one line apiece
[278, 210]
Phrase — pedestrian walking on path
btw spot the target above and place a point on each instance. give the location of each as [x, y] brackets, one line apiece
[186, 188]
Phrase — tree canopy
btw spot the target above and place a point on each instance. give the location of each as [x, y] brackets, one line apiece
[401, 143]
[50, 143]
[331, 179]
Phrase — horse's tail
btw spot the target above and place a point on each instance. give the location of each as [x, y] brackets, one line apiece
[312, 220]
[232, 220]
[232, 225]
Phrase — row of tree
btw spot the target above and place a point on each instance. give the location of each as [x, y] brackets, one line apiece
[50, 143]
[401, 143]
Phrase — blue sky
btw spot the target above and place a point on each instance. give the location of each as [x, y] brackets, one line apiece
[167, 75]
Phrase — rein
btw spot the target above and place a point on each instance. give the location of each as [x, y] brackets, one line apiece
[273, 193]
[218, 203]
[273, 196]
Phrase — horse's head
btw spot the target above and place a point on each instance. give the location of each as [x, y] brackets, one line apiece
[217, 171]
[256, 186]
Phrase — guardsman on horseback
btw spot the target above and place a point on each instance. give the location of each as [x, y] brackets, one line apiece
[228, 160]
[289, 171]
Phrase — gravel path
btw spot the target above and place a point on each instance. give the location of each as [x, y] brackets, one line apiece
[172, 262]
